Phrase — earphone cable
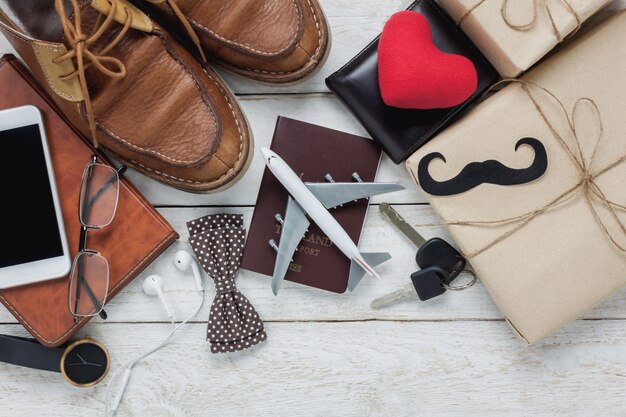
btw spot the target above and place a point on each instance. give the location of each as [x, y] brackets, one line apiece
[128, 366]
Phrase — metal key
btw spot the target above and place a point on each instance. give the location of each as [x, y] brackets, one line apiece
[431, 252]
[398, 221]
[405, 292]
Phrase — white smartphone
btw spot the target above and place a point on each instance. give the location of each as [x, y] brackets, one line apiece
[33, 245]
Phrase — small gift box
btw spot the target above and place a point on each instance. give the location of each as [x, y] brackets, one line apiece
[515, 34]
[554, 245]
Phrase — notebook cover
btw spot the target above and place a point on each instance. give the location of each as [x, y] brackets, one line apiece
[137, 235]
[312, 152]
[402, 131]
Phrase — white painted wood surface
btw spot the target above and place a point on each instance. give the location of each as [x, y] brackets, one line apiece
[328, 354]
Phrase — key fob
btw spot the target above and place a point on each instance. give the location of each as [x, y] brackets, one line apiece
[437, 252]
[428, 282]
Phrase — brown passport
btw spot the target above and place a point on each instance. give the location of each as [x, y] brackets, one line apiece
[137, 235]
[312, 152]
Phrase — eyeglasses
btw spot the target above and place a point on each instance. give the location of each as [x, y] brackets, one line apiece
[97, 203]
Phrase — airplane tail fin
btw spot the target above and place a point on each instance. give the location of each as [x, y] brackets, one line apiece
[363, 265]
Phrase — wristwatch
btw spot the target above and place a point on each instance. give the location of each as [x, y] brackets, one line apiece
[83, 363]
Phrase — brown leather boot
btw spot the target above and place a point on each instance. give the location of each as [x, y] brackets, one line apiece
[124, 82]
[274, 41]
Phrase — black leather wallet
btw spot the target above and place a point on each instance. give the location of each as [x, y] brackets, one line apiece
[400, 132]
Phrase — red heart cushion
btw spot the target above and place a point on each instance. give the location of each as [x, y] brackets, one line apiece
[413, 73]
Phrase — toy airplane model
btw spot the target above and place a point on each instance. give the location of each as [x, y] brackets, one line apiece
[314, 200]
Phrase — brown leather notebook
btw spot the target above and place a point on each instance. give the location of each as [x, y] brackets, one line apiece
[137, 235]
[311, 151]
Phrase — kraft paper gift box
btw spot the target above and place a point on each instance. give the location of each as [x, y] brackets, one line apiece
[547, 268]
[513, 50]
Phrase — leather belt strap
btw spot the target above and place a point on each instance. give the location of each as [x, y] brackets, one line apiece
[27, 352]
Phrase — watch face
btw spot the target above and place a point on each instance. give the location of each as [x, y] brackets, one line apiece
[85, 363]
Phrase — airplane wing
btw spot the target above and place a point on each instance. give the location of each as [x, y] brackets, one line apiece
[293, 229]
[332, 194]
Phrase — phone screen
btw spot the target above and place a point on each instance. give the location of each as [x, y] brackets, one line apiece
[29, 230]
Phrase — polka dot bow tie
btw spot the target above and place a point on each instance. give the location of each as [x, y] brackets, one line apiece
[218, 241]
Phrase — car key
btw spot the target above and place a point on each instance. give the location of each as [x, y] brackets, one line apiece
[431, 252]
[440, 264]
[426, 284]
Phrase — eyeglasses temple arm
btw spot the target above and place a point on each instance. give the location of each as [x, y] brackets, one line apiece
[81, 282]
[94, 300]
[79, 266]
[120, 171]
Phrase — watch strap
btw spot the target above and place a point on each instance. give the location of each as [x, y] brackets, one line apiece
[30, 353]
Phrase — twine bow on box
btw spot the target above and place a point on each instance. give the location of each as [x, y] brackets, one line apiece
[586, 186]
[509, 21]
[218, 242]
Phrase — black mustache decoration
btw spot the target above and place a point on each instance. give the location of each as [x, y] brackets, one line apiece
[476, 173]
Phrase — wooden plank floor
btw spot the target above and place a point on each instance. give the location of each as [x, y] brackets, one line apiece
[328, 354]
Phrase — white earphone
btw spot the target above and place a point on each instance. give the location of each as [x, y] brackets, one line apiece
[153, 285]
[183, 261]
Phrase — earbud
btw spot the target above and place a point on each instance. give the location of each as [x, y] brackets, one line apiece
[183, 261]
[153, 285]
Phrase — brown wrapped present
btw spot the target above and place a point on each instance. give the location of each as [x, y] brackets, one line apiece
[515, 34]
[549, 249]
